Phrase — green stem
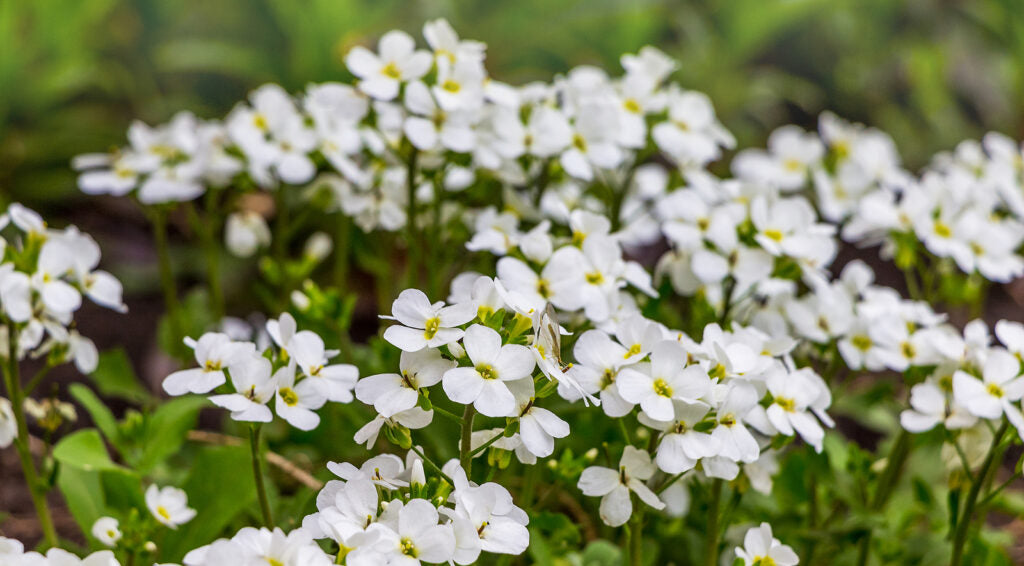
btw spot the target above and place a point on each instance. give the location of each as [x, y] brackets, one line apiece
[913, 287]
[898, 455]
[963, 526]
[36, 380]
[813, 515]
[12, 381]
[447, 414]
[668, 483]
[410, 221]
[465, 450]
[636, 536]
[257, 471]
[432, 465]
[281, 221]
[158, 216]
[711, 529]
[996, 491]
[487, 444]
[204, 227]
[342, 235]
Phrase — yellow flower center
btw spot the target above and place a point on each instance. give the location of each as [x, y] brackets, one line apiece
[430, 327]
[908, 349]
[631, 105]
[486, 371]
[994, 390]
[861, 342]
[579, 143]
[661, 387]
[391, 71]
[543, 289]
[289, 397]
[595, 278]
[408, 548]
[633, 350]
[942, 229]
[787, 405]
[773, 234]
[162, 511]
[451, 86]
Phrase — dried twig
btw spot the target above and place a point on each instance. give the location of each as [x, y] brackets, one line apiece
[275, 459]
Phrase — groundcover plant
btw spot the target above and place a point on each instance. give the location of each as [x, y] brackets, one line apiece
[593, 350]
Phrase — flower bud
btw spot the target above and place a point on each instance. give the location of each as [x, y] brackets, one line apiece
[245, 232]
[418, 477]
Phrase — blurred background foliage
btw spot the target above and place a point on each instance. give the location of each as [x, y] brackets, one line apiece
[74, 73]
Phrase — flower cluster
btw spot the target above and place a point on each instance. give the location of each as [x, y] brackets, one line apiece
[387, 512]
[294, 371]
[44, 272]
[436, 104]
[13, 553]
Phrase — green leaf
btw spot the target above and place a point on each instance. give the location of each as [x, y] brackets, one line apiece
[101, 415]
[85, 450]
[219, 488]
[602, 553]
[83, 492]
[115, 377]
[166, 430]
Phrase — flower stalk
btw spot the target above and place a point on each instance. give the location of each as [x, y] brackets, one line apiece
[12, 382]
[257, 471]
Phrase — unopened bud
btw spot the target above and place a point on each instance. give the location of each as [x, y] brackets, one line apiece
[418, 477]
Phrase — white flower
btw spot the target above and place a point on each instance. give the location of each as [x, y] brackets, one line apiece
[245, 232]
[295, 403]
[334, 381]
[254, 386]
[169, 506]
[393, 393]
[414, 534]
[538, 427]
[484, 385]
[792, 398]
[252, 547]
[681, 447]
[8, 424]
[613, 486]
[107, 531]
[414, 418]
[928, 407]
[423, 324]
[384, 470]
[485, 519]
[760, 548]
[599, 360]
[738, 444]
[667, 378]
[997, 393]
[398, 61]
[214, 352]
